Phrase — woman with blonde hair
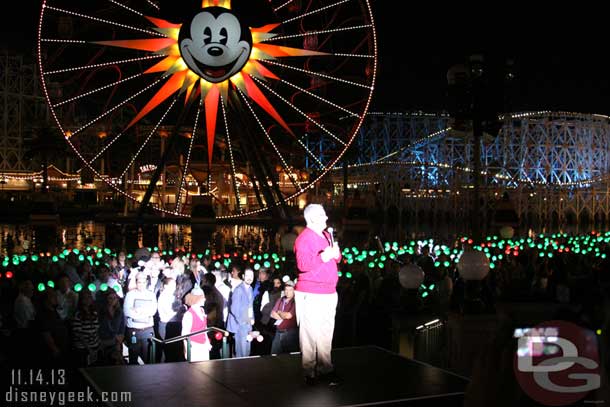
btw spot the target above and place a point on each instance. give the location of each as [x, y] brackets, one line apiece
[195, 320]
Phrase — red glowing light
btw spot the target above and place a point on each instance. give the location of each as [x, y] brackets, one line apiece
[9, 274]
[218, 336]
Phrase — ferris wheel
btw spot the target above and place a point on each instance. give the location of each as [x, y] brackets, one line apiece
[249, 102]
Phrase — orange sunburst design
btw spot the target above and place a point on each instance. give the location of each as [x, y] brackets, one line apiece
[183, 80]
[216, 3]
[211, 113]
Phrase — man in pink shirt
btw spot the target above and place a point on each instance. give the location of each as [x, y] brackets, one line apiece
[317, 256]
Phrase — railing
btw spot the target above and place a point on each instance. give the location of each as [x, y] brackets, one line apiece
[225, 352]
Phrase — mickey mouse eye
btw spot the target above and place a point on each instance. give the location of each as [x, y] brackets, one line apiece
[207, 35]
[223, 36]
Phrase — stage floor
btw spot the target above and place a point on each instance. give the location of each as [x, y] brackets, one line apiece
[370, 376]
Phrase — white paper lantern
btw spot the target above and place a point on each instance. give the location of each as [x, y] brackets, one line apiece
[473, 265]
[411, 276]
[507, 232]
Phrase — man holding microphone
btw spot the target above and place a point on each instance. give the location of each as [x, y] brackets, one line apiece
[317, 256]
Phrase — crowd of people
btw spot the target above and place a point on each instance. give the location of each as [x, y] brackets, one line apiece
[74, 313]
[82, 312]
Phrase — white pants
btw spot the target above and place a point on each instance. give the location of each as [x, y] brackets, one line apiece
[316, 320]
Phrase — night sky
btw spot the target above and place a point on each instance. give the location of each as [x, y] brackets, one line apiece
[561, 55]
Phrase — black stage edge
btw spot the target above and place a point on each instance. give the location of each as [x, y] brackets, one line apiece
[371, 376]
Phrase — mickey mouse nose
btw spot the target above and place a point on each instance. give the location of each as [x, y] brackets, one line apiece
[215, 51]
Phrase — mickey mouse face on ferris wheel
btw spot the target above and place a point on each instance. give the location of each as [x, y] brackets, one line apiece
[215, 44]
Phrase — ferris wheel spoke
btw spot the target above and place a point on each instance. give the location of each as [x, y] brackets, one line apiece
[320, 98]
[127, 8]
[319, 10]
[152, 132]
[91, 92]
[317, 32]
[233, 172]
[321, 75]
[152, 4]
[101, 20]
[103, 64]
[188, 157]
[282, 6]
[318, 125]
[108, 111]
[277, 151]
[64, 41]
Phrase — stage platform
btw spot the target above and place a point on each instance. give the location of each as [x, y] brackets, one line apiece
[371, 376]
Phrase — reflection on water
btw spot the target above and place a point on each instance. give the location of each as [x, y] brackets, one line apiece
[219, 238]
[165, 236]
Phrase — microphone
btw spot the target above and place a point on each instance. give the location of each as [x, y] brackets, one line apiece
[332, 238]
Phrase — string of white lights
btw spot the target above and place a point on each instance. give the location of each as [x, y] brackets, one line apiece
[233, 172]
[318, 125]
[310, 33]
[321, 75]
[277, 151]
[337, 54]
[152, 4]
[320, 98]
[126, 7]
[188, 156]
[415, 143]
[153, 131]
[107, 112]
[101, 20]
[61, 41]
[122, 61]
[283, 5]
[91, 92]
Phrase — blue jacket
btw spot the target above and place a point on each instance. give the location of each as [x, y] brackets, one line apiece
[241, 311]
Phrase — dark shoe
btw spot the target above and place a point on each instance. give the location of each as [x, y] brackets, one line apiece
[331, 378]
[311, 380]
